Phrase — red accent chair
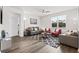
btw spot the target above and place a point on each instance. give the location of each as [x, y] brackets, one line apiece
[56, 33]
[49, 30]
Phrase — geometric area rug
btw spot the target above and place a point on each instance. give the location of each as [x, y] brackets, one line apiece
[51, 41]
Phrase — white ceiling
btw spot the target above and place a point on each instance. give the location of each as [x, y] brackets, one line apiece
[36, 10]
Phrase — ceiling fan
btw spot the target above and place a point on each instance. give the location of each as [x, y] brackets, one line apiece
[45, 11]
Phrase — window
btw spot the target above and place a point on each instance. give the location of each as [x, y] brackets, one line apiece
[54, 24]
[59, 21]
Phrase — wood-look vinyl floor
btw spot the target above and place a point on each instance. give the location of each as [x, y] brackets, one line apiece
[31, 45]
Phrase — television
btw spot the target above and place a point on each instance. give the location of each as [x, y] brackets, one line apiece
[0, 16]
[61, 24]
[54, 24]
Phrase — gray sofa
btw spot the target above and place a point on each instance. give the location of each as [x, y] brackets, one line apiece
[32, 31]
[69, 40]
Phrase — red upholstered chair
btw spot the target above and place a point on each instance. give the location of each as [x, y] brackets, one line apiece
[49, 30]
[56, 33]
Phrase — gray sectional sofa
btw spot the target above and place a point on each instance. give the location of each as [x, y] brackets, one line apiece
[70, 40]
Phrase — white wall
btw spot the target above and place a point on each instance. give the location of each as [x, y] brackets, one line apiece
[8, 13]
[78, 24]
[7, 18]
[27, 21]
[71, 21]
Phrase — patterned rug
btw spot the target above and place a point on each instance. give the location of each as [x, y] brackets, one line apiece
[52, 41]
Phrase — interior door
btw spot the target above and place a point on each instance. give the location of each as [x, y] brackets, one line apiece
[15, 25]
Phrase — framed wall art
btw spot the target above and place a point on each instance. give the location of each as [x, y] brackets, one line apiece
[33, 21]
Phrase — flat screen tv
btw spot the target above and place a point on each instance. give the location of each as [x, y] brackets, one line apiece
[0, 16]
[54, 24]
[61, 24]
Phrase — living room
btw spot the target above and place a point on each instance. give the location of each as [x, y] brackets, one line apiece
[21, 25]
